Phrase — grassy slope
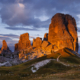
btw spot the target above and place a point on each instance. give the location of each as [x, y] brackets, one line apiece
[52, 70]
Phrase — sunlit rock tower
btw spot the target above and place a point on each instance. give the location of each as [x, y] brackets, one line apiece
[63, 32]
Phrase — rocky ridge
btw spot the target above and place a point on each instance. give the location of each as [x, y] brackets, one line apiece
[62, 34]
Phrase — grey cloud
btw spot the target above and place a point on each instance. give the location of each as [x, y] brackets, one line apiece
[11, 1]
[7, 1]
[9, 35]
[12, 15]
[5, 38]
[22, 28]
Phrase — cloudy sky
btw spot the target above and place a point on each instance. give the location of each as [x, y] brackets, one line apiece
[32, 16]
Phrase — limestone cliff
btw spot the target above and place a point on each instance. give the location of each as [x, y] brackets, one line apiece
[46, 37]
[63, 32]
[4, 45]
[5, 51]
[37, 42]
[24, 42]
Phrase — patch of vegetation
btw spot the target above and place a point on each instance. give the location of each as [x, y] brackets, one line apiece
[71, 59]
[35, 60]
[53, 67]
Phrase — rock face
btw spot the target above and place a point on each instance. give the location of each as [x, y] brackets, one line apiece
[37, 42]
[4, 46]
[44, 44]
[63, 32]
[23, 54]
[46, 36]
[5, 51]
[33, 54]
[16, 46]
[24, 42]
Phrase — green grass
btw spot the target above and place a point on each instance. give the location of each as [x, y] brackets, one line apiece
[73, 60]
[53, 67]
[24, 70]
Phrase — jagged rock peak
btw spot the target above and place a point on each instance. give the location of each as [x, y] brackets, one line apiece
[4, 45]
[63, 31]
[24, 42]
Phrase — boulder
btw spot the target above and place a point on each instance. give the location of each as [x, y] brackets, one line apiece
[63, 32]
[37, 42]
[23, 43]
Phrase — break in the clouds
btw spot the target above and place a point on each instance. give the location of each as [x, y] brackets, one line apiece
[36, 13]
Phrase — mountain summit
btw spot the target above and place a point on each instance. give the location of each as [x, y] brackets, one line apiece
[63, 32]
